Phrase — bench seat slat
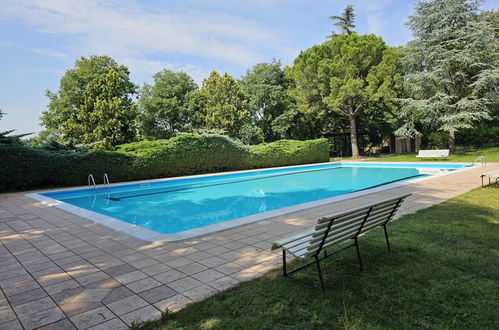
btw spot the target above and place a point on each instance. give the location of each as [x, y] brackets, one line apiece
[345, 235]
[297, 248]
[336, 231]
[279, 243]
[341, 217]
[339, 220]
[291, 245]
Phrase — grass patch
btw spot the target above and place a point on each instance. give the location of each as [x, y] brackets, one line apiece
[442, 273]
[490, 154]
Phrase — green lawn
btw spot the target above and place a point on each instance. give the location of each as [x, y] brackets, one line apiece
[442, 273]
[490, 154]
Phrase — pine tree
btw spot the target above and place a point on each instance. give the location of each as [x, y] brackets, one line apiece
[344, 22]
[452, 72]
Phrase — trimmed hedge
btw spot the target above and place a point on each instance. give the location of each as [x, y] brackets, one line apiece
[23, 167]
[289, 152]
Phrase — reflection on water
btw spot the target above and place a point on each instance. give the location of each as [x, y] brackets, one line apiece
[167, 209]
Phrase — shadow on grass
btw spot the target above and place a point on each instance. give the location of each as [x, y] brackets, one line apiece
[441, 273]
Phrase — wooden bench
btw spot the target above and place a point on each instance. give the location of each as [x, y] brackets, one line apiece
[444, 153]
[338, 228]
[490, 175]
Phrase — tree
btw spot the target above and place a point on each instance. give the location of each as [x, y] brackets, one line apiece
[164, 106]
[452, 72]
[344, 22]
[342, 76]
[94, 104]
[266, 86]
[222, 104]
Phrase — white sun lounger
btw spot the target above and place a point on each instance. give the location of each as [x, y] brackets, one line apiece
[338, 228]
[444, 153]
[490, 175]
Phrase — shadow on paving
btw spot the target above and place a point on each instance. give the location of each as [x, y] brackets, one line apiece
[441, 273]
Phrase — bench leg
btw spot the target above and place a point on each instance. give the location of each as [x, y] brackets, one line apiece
[386, 237]
[284, 263]
[320, 273]
[358, 252]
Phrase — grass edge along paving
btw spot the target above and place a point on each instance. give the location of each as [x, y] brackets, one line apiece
[441, 273]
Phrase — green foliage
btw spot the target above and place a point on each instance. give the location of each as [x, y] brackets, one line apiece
[341, 77]
[481, 136]
[250, 134]
[222, 104]
[107, 116]
[164, 106]
[266, 86]
[344, 22]
[452, 73]
[436, 140]
[7, 139]
[186, 154]
[290, 152]
[44, 137]
[93, 104]
[26, 167]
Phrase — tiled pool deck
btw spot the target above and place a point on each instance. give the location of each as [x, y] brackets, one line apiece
[60, 271]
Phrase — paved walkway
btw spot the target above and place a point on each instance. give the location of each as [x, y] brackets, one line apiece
[60, 271]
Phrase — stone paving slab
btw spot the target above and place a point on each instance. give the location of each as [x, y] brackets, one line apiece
[60, 271]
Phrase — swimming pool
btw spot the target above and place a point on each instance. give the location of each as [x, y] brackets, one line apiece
[182, 207]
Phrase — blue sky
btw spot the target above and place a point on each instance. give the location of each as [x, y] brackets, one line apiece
[40, 39]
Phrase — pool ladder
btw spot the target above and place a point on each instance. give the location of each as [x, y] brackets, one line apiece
[480, 159]
[91, 181]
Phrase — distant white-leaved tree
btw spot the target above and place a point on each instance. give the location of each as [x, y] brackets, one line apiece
[451, 67]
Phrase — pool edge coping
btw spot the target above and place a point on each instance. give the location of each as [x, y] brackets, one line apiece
[152, 236]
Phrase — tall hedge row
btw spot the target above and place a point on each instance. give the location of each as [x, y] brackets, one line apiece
[23, 167]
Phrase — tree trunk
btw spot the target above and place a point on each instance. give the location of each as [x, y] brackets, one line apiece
[452, 140]
[353, 136]
[407, 142]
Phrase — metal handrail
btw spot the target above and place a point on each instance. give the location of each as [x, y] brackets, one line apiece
[480, 159]
[91, 181]
[106, 179]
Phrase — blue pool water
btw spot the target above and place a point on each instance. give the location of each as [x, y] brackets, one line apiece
[172, 206]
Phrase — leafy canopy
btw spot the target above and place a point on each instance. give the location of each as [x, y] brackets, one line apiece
[339, 78]
[452, 72]
[93, 104]
[222, 104]
[266, 86]
[164, 105]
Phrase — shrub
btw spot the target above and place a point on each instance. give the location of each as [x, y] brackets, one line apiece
[482, 136]
[437, 140]
[25, 167]
[250, 134]
[289, 152]
[186, 154]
